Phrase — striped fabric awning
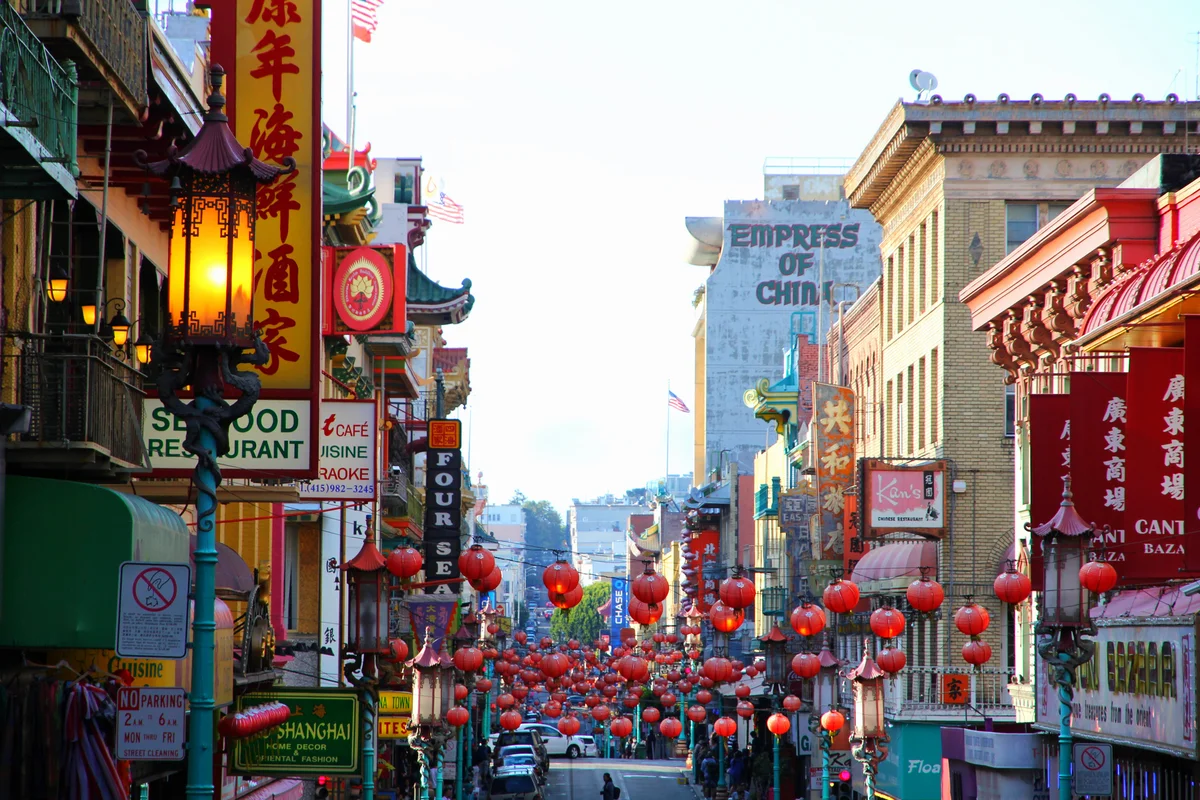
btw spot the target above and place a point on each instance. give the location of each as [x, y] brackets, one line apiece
[892, 566]
[285, 789]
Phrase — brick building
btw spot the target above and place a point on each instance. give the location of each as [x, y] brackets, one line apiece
[956, 186]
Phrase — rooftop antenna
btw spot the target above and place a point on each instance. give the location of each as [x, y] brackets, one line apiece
[924, 82]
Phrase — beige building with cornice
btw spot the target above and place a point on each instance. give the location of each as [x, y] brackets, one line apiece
[956, 186]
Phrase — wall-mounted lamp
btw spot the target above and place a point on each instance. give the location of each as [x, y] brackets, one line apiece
[56, 286]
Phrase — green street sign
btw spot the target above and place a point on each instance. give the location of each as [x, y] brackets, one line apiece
[323, 736]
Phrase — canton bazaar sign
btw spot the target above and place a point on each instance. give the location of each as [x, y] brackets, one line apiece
[1139, 688]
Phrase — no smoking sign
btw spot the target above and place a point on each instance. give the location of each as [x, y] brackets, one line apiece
[1093, 773]
[152, 610]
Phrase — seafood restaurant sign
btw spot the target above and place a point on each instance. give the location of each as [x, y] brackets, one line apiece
[272, 438]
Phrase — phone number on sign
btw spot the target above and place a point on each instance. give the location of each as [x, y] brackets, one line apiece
[337, 488]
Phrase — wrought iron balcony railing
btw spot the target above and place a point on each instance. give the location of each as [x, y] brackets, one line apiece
[116, 31]
[939, 693]
[86, 406]
[37, 93]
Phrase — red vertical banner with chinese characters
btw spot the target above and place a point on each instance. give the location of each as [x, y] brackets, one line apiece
[708, 544]
[1191, 443]
[1049, 462]
[833, 451]
[274, 108]
[1154, 531]
[856, 545]
[1099, 453]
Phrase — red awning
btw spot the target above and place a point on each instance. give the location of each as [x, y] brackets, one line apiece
[605, 610]
[287, 789]
[894, 565]
[1156, 601]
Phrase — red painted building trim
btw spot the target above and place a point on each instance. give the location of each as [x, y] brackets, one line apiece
[278, 562]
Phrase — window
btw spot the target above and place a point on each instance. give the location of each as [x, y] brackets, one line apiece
[1021, 223]
[1054, 209]
[791, 192]
[403, 191]
[934, 387]
[934, 254]
[1010, 410]
[921, 404]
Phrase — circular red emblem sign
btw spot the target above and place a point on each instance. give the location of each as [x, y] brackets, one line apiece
[362, 289]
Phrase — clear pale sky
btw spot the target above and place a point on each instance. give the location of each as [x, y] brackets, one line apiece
[579, 135]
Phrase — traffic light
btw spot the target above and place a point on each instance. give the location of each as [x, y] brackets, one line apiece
[323, 786]
[841, 786]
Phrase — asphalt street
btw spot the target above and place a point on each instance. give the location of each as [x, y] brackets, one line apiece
[583, 778]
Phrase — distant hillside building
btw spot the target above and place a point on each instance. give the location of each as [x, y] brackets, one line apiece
[598, 532]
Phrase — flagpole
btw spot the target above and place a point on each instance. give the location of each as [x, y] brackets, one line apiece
[667, 474]
[349, 87]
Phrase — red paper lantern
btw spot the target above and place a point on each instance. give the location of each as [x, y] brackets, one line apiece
[841, 596]
[600, 713]
[552, 708]
[650, 714]
[778, 724]
[568, 599]
[725, 726]
[704, 696]
[887, 622]
[404, 562]
[891, 659]
[737, 592]
[806, 665]
[808, 619]
[668, 700]
[976, 652]
[511, 720]
[399, 652]
[475, 563]
[832, 721]
[483, 685]
[621, 727]
[506, 700]
[742, 690]
[568, 726]
[1097, 576]
[1013, 587]
[458, 716]
[745, 709]
[670, 727]
[554, 665]
[468, 659]
[717, 669]
[725, 618]
[972, 619]
[650, 587]
[697, 713]
[488, 582]
[460, 692]
[560, 577]
[925, 595]
[643, 613]
[792, 703]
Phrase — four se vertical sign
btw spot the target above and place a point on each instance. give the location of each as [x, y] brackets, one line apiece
[347, 451]
[443, 503]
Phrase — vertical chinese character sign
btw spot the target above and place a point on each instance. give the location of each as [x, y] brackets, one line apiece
[1099, 451]
[707, 543]
[1154, 474]
[443, 503]
[833, 446]
[1049, 461]
[274, 107]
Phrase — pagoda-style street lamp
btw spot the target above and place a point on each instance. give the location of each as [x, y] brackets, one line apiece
[825, 699]
[210, 328]
[1064, 620]
[869, 737]
[366, 639]
[431, 694]
[775, 645]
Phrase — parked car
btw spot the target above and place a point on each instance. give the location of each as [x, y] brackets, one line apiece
[521, 755]
[589, 745]
[558, 743]
[532, 738]
[515, 783]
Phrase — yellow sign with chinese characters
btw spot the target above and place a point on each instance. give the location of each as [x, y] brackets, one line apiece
[276, 94]
[395, 703]
[393, 727]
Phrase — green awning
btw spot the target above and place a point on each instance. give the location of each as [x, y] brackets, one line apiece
[63, 545]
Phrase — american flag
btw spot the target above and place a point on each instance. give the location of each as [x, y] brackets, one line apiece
[445, 209]
[363, 15]
[674, 402]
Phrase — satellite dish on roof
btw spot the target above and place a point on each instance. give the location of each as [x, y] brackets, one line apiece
[924, 82]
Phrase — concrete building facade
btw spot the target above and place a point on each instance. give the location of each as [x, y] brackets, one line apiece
[598, 534]
[777, 269]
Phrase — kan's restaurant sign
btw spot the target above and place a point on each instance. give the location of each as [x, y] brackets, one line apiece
[908, 498]
[1139, 688]
[443, 503]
